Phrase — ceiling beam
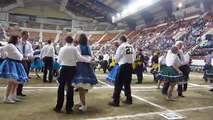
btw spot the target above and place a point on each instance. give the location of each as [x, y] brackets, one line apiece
[103, 6]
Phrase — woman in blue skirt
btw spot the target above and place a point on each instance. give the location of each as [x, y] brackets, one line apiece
[171, 72]
[37, 63]
[85, 78]
[12, 69]
[56, 67]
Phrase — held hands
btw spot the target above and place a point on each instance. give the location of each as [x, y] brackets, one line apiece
[179, 72]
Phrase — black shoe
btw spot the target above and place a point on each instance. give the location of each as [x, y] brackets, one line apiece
[113, 104]
[76, 90]
[69, 112]
[211, 90]
[58, 111]
[138, 83]
[23, 95]
[129, 102]
[181, 95]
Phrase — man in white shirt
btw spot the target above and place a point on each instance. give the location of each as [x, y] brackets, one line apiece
[47, 54]
[105, 62]
[26, 49]
[124, 57]
[68, 55]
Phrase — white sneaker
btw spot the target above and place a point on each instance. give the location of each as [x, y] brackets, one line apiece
[170, 99]
[79, 104]
[8, 100]
[14, 98]
[83, 108]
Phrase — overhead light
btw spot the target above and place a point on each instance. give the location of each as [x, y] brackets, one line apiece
[118, 14]
[180, 5]
[133, 8]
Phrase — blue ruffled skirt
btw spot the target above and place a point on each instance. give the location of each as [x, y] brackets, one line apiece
[13, 69]
[37, 64]
[56, 65]
[85, 77]
[113, 74]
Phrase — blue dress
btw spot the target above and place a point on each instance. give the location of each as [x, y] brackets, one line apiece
[56, 65]
[37, 62]
[13, 69]
[113, 74]
[85, 77]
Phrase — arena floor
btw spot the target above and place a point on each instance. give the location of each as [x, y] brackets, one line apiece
[149, 103]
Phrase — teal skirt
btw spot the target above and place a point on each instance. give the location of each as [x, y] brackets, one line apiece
[169, 74]
[162, 67]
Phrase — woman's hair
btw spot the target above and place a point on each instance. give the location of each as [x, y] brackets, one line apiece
[69, 39]
[37, 47]
[174, 49]
[13, 39]
[49, 41]
[83, 39]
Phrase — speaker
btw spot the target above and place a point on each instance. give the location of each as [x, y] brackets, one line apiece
[209, 37]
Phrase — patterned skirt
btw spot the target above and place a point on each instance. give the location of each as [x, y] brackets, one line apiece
[85, 76]
[169, 74]
[13, 69]
[37, 64]
[113, 74]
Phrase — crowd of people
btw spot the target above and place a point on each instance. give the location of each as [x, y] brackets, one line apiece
[74, 63]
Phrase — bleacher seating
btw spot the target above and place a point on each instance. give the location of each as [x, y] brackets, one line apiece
[49, 36]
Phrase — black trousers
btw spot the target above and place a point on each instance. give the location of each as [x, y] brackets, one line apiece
[105, 66]
[67, 74]
[185, 69]
[124, 79]
[26, 64]
[139, 72]
[48, 65]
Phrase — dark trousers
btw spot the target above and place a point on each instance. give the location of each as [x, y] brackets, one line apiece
[165, 88]
[124, 79]
[105, 66]
[139, 72]
[66, 75]
[48, 65]
[185, 69]
[26, 64]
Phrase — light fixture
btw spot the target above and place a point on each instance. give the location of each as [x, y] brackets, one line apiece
[133, 8]
[180, 5]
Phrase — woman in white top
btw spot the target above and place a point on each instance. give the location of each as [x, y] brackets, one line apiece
[12, 69]
[171, 73]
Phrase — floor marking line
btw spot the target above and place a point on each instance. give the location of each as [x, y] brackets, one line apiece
[149, 113]
[144, 100]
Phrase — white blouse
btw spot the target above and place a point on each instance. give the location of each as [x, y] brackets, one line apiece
[12, 52]
[162, 60]
[172, 59]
